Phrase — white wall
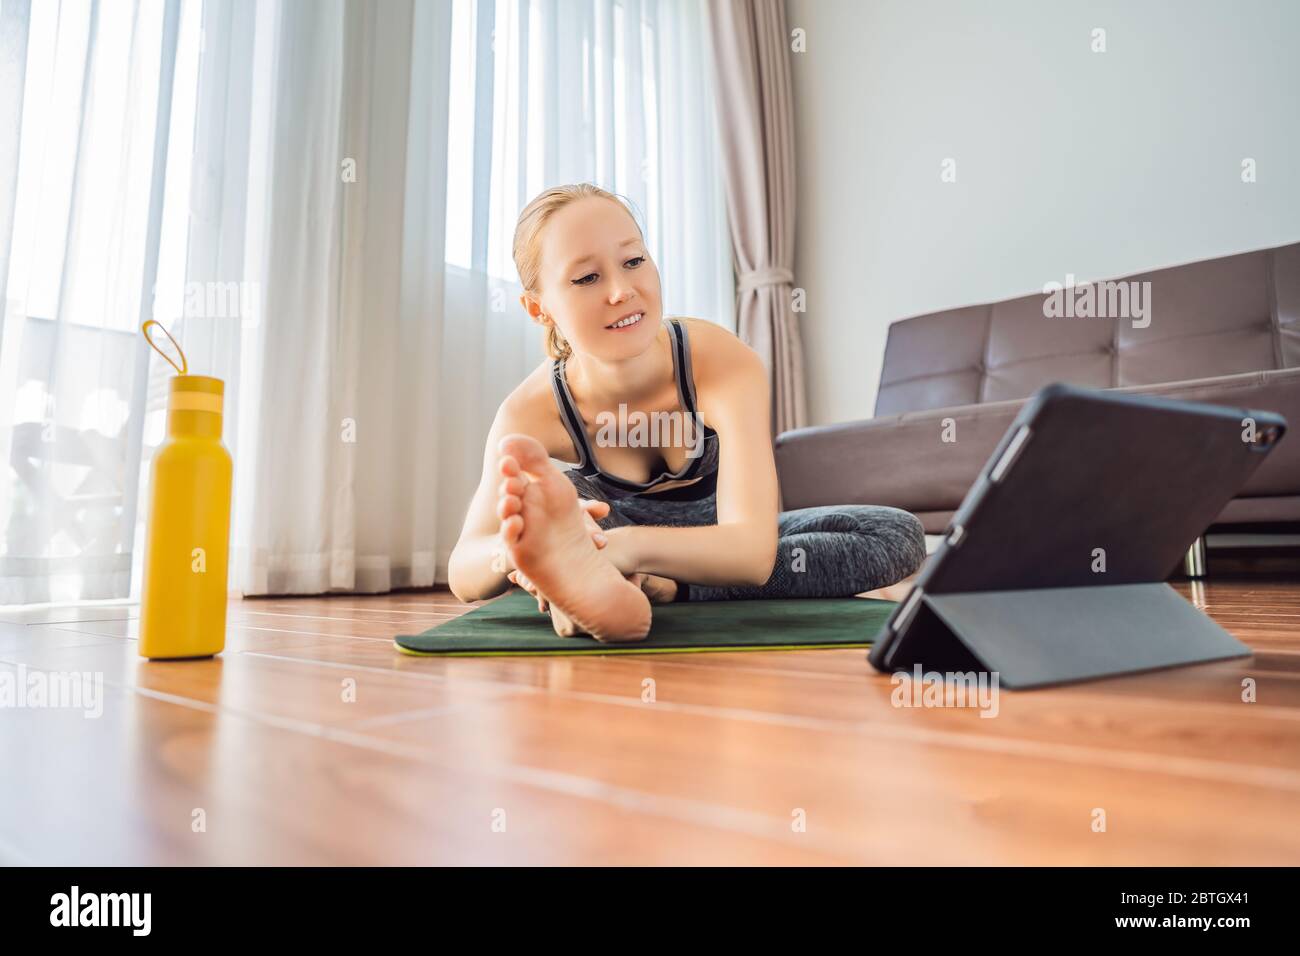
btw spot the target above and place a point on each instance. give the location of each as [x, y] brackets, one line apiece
[1067, 161]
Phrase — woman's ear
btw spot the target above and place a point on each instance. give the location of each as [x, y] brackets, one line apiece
[534, 309]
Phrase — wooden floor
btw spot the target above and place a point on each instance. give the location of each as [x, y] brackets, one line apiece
[771, 757]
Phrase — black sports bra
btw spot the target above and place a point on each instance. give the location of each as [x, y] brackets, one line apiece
[703, 465]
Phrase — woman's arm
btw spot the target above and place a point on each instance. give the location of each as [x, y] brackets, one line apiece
[470, 573]
[479, 564]
[741, 548]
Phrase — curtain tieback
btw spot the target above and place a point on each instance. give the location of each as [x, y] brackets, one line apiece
[772, 275]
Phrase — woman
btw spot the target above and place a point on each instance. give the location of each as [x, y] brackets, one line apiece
[641, 519]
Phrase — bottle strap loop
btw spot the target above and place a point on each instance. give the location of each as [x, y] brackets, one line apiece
[180, 369]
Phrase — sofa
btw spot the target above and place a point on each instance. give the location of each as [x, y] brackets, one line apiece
[1224, 331]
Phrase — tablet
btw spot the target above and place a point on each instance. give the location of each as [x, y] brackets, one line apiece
[1088, 489]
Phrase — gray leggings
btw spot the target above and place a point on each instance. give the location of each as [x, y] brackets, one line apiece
[834, 551]
[827, 551]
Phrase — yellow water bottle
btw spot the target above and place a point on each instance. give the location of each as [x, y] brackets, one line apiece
[187, 537]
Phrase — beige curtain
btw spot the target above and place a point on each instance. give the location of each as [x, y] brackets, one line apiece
[756, 128]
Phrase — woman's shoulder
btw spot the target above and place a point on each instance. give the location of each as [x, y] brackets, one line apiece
[717, 353]
[711, 335]
[531, 400]
[530, 409]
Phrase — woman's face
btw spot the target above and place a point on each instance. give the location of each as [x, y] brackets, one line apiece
[595, 271]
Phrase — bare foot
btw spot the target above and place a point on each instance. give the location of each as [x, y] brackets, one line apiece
[658, 590]
[894, 592]
[559, 620]
[545, 534]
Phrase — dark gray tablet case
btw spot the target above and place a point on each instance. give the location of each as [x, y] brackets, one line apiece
[1012, 587]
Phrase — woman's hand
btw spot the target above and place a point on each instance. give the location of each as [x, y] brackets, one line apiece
[595, 510]
[520, 580]
[620, 549]
[658, 590]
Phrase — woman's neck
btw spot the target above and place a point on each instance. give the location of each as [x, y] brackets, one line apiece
[603, 384]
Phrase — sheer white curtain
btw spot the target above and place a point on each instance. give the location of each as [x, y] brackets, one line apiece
[392, 329]
[92, 216]
[323, 193]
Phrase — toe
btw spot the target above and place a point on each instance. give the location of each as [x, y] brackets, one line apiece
[508, 505]
[527, 452]
[511, 528]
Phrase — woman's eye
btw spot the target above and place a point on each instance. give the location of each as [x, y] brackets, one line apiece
[591, 276]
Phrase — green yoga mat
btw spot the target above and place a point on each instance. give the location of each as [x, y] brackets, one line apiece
[511, 625]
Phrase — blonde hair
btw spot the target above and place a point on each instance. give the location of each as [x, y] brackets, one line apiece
[528, 247]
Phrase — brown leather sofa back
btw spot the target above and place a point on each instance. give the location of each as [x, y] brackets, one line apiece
[1218, 317]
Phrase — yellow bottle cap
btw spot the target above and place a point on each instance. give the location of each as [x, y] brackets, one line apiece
[198, 393]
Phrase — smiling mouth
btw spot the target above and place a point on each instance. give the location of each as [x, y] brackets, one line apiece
[628, 322]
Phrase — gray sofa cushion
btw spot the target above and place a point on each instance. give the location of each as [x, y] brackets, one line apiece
[903, 461]
[1224, 331]
[1220, 317]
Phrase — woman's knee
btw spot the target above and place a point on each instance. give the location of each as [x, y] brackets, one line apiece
[913, 534]
[899, 532]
